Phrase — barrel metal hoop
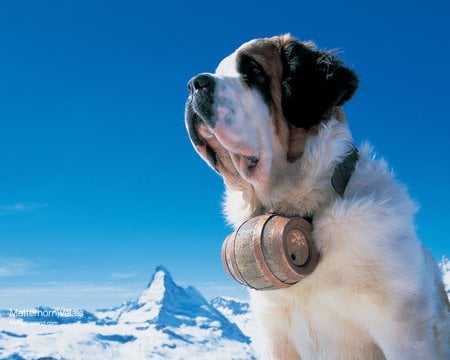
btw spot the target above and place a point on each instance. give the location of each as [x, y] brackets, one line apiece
[259, 255]
[231, 251]
[225, 262]
[232, 255]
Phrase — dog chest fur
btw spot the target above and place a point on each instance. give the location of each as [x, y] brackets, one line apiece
[370, 258]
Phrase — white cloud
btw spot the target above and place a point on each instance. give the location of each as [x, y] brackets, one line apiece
[19, 207]
[91, 296]
[123, 275]
[11, 267]
[211, 290]
[87, 296]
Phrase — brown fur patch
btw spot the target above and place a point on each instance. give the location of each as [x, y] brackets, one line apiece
[267, 52]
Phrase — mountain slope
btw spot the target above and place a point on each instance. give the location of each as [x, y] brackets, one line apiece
[237, 312]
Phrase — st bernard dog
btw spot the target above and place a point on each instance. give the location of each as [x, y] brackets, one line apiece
[270, 122]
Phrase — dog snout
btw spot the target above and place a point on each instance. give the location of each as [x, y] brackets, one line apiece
[201, 82]
[201, 97]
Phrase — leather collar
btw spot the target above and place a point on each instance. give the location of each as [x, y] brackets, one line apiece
[344, 171]
[341, 175]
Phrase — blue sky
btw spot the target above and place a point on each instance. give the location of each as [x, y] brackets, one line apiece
[98, 180]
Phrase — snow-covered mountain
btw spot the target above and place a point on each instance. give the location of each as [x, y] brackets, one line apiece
[166, 321]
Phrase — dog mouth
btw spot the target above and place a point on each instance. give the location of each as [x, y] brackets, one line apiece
[221, 155]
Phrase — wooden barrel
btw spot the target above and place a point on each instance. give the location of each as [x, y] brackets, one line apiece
[270, 252]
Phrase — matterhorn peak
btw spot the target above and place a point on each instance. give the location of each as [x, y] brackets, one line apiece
[147, 307]
[168, 305]
[163, 269]
[157, 287]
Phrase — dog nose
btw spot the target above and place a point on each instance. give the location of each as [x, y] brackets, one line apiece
[201, 81]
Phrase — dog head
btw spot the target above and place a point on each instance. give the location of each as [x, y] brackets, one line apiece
[251, 118]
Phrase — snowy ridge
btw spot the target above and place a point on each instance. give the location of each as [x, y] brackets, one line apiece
[165, 321]
[445, 267]
[238, 312]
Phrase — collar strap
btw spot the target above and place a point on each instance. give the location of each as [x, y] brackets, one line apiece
[344, 171]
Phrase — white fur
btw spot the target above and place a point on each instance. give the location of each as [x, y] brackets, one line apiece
[375, 293]
[242, 120]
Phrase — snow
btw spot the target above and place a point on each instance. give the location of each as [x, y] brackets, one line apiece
[165, 321]
[238, 312]
[445, 267]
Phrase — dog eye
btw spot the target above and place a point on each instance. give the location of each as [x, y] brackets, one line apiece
[250, 69]
[254, 76]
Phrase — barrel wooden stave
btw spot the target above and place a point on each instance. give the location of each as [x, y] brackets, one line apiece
[245, 257]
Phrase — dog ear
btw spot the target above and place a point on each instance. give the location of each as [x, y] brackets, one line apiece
[313, 82]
